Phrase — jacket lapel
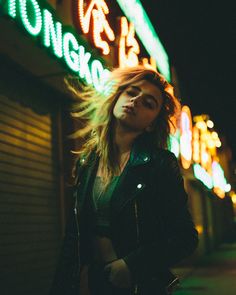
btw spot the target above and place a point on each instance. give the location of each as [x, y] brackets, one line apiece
[131, 182]
[87, 177]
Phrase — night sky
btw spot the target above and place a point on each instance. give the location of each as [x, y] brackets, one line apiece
[198, 37]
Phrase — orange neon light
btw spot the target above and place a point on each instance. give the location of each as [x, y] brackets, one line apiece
[205, 156]
[127, 40]
[97, 11]
[196, 145]
[220, 193]
[150, 65]
[199, 229]
[206, 145]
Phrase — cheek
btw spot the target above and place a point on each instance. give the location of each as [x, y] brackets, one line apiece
[148, 117]
[118, 104]
[117, 107]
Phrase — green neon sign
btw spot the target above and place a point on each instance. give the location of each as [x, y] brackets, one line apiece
[41, 22]
[174, 143]
[219, 179]
[136, 14]
[201, 174]
[52, 33]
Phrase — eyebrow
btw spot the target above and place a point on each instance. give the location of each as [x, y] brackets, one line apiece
[149, 95]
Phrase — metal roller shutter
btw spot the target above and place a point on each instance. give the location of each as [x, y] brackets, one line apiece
[29, 199]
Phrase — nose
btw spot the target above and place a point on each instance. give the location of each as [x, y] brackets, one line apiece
[135, 99]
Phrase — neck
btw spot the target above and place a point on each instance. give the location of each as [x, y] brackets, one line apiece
[124, 138]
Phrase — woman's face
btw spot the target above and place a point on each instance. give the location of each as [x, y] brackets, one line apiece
[138, 106]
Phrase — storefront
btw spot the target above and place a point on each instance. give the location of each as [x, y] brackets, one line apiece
[40, 43]
[199, 149]
[30, 186]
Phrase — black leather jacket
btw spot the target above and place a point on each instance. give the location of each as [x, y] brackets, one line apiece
[151, 226]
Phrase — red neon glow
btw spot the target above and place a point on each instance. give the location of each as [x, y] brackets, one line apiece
[128, 45]
[95, 16]
[150, 64]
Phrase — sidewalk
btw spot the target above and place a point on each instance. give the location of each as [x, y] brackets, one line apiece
[215, 274]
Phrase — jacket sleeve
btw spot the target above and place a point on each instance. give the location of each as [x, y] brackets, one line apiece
[66, 279]
[66, 275]
[180, 238]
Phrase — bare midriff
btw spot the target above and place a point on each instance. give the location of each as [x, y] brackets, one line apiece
[103, 250]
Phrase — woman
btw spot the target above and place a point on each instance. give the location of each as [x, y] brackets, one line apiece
[130, 204]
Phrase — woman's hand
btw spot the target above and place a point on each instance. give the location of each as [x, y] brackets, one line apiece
[119, 274]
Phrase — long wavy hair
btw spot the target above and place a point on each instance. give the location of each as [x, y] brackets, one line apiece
[96, 110]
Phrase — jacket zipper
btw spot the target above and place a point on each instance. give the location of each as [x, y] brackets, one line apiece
[77, 230]
[137, 235]
[137, 191]
[136, 219]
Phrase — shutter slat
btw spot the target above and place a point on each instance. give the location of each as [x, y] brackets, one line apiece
[30, 225]
[28, 173]
[11, 140]
[26, 190]
[25, 181]
[24, 135]
[27, 127]
[24, 110]
[22, 117]
[25, 163]
[24, 154]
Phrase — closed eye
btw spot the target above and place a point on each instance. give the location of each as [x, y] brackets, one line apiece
[147, 100]
[149, 103]
[131, 93]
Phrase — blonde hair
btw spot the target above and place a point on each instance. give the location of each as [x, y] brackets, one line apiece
[97, 111]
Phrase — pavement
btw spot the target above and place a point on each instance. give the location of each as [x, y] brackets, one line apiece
[214, 274]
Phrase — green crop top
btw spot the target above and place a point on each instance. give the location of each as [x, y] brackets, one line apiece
[101, 205]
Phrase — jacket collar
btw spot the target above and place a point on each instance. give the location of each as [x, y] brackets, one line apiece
[141, 154]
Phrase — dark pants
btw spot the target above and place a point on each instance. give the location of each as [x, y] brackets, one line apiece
[99, 284]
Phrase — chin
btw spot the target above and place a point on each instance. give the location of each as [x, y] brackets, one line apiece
[129, 126]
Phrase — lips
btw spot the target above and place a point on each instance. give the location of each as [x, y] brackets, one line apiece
[129, 109]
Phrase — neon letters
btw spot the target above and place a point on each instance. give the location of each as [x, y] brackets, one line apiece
[63, 43]
[135, 13]
[95, 16]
